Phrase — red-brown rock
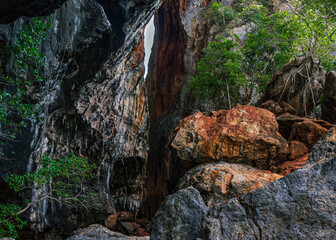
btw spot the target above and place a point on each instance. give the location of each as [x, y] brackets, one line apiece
[244, 134]
[125, 216]
[141, 232]
[112, 221]
[297, 159]
[307, 132]
[222, 181]
[286, 122]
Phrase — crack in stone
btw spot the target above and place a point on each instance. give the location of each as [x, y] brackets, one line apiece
[250, 211]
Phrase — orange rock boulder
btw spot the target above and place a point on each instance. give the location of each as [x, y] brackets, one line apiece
[244, 134]
[223, 181]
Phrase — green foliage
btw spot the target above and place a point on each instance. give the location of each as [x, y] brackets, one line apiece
[317, 28]
[64, 180]
[219, 72]
[10, 222]
[275, 38]
[269, 46]
[220, 15]
[28, 62]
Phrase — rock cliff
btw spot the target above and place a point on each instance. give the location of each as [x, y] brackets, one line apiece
[94, 100]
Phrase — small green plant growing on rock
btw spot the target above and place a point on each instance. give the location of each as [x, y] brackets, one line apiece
[16, 106]
[64, 180]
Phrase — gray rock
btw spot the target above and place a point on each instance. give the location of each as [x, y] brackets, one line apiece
[98, 232]
[301, 205]
[180, 216]
[11, 10]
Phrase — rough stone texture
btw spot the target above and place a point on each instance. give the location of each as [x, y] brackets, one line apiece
[286, 122]
[278, 109]
[298, 206]
[181, 34]
[205, 187]
[94, 100]
[301, 91]
[328, 105]
[297, 159]
[219, 182]
[112, 221]
[244, 134]
[98, 232]
[180, 216]
[11, 10]
[307, 132]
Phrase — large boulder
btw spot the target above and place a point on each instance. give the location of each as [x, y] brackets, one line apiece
[307, 132]
[300, 84]
[301, 205]
[329, 98]
[287, 121]
[99, 232]
[219, 182]
[180, 216]
[244, 134]
[204, 187]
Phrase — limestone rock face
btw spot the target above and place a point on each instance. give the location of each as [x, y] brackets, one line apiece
[329, 98]
[244, 134]
[180, 216]
[298, 206]
[93, 99]
[301, 91]
[11, 10]
[202, 190]
[98, 232]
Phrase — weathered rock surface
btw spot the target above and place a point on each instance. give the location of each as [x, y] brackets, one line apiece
[94, 100]
[300, 83]
[287, 121]
[209, 186]
[307, 132]
[244, 134]
[296, 160]
[219, 182]
[11, 10]
[180, 216]
[298, 206]
[276, 108]
[98, 232]
[328, 105]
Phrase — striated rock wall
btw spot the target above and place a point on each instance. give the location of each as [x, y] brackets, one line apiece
[180, 36]
[94, 100]
[12, 10]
